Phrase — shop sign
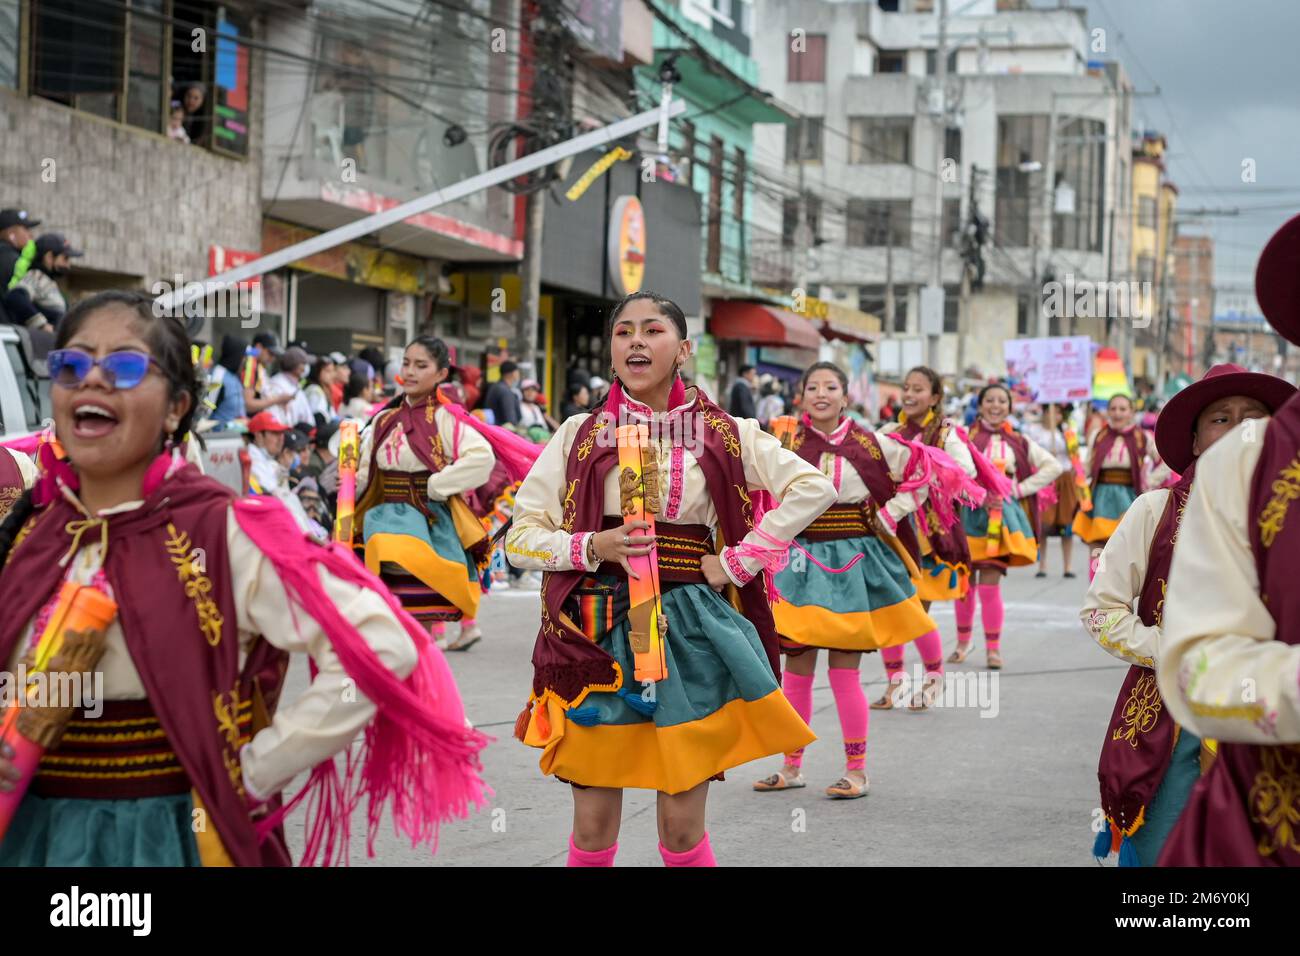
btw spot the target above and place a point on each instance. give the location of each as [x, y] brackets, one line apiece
[627, 245]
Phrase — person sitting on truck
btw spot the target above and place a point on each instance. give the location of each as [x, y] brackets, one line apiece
[17, 253]
[53, 253]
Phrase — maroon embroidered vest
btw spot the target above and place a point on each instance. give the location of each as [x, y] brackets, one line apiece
[565, 661]
[1141, 735]
[178, 618]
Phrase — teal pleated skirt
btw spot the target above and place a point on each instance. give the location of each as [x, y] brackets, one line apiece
[1170, 797]
[720, 706]
[422, 561]
[873, 604]
[1111, 501]
[151, 831]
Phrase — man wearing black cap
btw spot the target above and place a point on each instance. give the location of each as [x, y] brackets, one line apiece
[17, 253]
[53, 253]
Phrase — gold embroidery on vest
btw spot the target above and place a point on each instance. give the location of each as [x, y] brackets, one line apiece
[746, 506]
[228, 726]
[198, 587]
[584, 449]
[1160, 605]
[722, 426]
[1274, 800]
[865, 440]
[570, 512]
[1286, 488]
[1141, 711]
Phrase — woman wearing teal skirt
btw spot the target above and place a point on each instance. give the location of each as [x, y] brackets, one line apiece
[1118, 458]
[623, 696]
[417, 533]
[850, 586]
[177, 754]
[1002, 534]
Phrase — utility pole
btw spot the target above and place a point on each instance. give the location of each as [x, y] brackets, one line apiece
[1049, 202]
[940, 131]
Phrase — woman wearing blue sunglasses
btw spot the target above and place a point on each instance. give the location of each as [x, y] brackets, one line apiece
[211, 594]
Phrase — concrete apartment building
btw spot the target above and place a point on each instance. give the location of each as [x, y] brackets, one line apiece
[862, 74]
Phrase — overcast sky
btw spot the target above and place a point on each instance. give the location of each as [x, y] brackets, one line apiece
[1229, 78]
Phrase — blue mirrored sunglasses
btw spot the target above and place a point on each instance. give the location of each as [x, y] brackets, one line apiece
[69, 367]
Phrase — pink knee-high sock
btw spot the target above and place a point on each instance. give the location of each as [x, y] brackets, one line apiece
[893, 658]
[991, 613]
[580, 857]
[930, 646]
[964, 610]
[438, 628]
[854, 714]
[467, 623]
[699, 855]
[798, 691]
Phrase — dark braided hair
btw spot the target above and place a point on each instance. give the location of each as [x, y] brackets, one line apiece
[168, 343]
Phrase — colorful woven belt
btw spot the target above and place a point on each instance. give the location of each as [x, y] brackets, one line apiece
[410, 488]
[123, 754]
[841, 521]
[1115, 476]
[680, 548]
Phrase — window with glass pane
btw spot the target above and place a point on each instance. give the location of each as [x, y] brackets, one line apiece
[803, 141]
[1021, 140]
[807, 65]
[880, 139]
[77, 54]
[10, 17]
[1081, 165]
[951, 307]
[952, 144]
[891, 61]
[144, 82]
[951, 229]
[878, 222]
[1147, 211]
[789, 221]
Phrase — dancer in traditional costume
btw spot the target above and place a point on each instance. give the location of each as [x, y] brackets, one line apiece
[125, 561]
[1229, 664]
[625, 694]
[1001, 533]
[418, 458]
[943, 554]
[17, 474]
[1071, 490]
[850, 585]
[1118, 457]
[1148, 763]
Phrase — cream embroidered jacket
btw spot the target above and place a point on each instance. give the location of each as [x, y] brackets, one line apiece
[536, 540]
[1220, 671]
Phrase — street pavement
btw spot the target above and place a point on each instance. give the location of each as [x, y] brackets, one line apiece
[1006, 774]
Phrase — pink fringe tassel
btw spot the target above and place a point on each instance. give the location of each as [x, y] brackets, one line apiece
[516, 452]
[1047, 497]
[990, 478]
[418, 757]
[948, 482]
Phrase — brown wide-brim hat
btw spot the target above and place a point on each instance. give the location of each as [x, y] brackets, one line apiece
[1277, 281]
[1176, 426]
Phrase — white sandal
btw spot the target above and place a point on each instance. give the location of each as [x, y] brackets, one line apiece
[779, 781]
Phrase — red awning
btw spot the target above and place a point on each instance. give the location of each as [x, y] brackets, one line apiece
[762, 325]
[834, 330]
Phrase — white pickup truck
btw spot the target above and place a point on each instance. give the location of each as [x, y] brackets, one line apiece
[25, 406]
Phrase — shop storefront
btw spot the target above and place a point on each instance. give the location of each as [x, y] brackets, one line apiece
[621, 235]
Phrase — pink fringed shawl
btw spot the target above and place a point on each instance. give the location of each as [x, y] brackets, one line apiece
[418, 757]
